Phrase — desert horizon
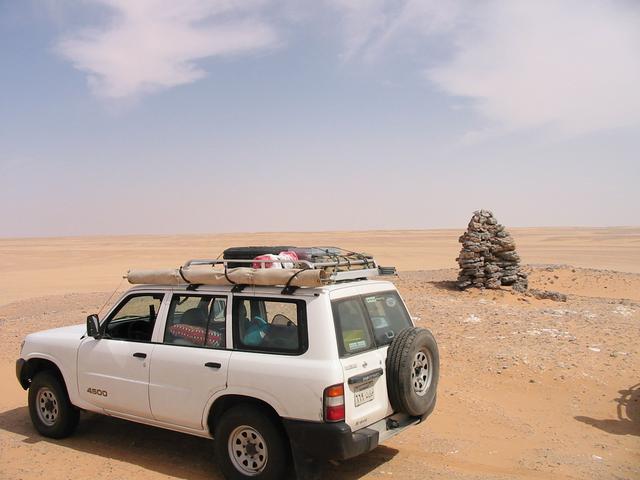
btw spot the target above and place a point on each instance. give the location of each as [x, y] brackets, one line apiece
[51, 265]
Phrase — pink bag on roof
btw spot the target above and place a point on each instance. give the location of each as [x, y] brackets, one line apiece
[286, 259]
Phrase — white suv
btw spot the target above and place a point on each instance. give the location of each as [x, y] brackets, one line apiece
[271, 374]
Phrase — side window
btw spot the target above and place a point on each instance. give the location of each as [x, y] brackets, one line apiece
[134, 318]
[270, 325]
[196, 321]
[351, 326]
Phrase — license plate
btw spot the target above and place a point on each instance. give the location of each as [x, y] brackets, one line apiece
[363, 395]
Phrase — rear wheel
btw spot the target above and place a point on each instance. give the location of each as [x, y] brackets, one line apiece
[413, 367]
[51, 411]
[250, 444]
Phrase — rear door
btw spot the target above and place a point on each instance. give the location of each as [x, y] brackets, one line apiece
[192, 362]
[365, 326]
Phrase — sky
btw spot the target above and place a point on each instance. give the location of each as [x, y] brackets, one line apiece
[212, 116]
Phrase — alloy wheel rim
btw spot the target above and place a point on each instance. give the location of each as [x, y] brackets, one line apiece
[421, 372]
[47, 406]
[248, 450]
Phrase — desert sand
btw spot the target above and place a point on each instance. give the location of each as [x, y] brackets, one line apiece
[530, 389]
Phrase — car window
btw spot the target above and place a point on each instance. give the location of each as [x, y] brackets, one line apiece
[196, 321]
[388, 315]
[352, 329]
[269, 325]
[134, 318]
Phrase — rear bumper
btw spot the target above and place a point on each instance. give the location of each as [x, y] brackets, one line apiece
[336, 441]
[329, 441]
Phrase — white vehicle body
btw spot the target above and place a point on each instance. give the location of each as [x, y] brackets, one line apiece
[184, 388]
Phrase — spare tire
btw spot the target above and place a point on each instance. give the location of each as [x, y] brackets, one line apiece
[413, 366]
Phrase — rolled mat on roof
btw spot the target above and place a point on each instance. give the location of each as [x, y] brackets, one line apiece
[241, 276]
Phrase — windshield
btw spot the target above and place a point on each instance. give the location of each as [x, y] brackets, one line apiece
[368, 321]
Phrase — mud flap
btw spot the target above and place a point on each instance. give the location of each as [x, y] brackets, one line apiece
[306, 467]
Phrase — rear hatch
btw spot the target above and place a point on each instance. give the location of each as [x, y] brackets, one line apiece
[366, 323]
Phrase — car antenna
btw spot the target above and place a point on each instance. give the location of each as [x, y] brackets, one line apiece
[111, 296]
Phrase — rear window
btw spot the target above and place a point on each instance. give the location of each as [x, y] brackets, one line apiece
[354, 334]
[369, 321]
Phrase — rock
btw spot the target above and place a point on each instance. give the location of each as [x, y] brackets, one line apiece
[547, 295]
[488, 258]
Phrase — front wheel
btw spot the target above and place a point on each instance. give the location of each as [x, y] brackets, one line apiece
[249, 444]
[50, 409]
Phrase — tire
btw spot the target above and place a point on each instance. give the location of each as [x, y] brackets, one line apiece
[51, 411]
[264, 439]
[413, 391]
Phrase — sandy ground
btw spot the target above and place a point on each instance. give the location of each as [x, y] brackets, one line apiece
[529, 389]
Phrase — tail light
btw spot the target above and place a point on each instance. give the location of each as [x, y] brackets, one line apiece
[334, 403]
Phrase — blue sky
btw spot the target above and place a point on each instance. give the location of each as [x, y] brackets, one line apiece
[154, 116]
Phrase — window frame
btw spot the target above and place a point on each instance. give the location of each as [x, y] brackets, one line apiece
[213, 296]
[303, 332]
[374, 344]
[123, 301]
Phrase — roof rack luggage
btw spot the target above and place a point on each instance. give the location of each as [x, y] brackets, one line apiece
[315, 266]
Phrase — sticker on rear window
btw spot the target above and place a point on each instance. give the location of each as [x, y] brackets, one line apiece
[371, 299]
[391, 302]
[357, 345]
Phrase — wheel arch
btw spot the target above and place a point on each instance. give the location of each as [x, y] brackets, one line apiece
[225, 402]
[35, 365]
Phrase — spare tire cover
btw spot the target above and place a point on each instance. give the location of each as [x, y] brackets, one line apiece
[413, 367]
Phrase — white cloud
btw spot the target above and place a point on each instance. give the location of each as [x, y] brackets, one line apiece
[362, 19]
[570, 65]
[151, 45]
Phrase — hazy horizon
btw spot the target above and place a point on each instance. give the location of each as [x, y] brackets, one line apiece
[156, 117]
[461, 229]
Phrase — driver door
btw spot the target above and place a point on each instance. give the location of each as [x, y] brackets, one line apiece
[113, 371]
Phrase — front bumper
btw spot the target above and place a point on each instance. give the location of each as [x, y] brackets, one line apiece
[336, 441]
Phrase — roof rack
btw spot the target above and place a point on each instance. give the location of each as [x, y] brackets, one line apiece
[340, 270]
[319, 266]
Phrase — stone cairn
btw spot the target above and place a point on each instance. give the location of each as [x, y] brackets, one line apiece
[488, 258]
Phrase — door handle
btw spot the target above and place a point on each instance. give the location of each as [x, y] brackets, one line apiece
[140, 355]
[215, 365]
[365, 377]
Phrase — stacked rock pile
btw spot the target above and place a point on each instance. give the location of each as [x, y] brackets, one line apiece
[488, 258]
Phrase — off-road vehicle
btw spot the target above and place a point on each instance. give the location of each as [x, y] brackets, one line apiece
[316, 360]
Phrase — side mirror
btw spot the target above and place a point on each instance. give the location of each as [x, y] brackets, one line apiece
[93, 326]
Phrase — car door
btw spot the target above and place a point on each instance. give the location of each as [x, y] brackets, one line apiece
[365, 326]
[192, 362]
[113, 371]
[365, 390]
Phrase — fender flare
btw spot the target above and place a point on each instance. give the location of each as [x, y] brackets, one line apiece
[26, 372]
[250, 394]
